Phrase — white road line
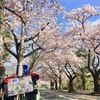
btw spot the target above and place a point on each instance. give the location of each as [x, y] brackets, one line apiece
[62, 96]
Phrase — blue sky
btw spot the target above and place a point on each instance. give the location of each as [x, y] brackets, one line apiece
[72, 4]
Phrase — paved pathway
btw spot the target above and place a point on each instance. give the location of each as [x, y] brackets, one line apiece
[64, 95]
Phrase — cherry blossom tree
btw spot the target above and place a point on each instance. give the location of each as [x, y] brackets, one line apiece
[53, 78]
[86, 36]
[33, 27]
[57, 62]
[71, 74]
[54, 71]
[57, 71]
[71, 66]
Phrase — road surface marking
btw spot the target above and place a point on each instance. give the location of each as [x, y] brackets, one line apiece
[62, 96]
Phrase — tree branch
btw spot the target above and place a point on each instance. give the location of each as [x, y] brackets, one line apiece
[31, 38]
[5, 45]
[31, 52]
[15, 14]
[96, 48]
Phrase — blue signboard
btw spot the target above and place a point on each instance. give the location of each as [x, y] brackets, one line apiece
[17, 70]
[25, 70]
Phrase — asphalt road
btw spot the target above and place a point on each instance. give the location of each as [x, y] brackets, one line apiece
[63, 95]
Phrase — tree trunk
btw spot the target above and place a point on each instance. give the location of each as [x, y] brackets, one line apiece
[1, 29]
[71, 84]
[95, 73]
[20, 52]
[96, 84]
[56, 85]
[20, 70]
[1, 12]
[2, 69]
[52, 85]
[60, 83]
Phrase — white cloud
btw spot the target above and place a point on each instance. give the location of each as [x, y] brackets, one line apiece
[96, 22]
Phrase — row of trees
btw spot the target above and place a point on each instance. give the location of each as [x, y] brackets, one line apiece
[78, 47]
[35, 30]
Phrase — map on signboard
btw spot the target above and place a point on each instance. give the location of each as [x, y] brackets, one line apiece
[19, 85]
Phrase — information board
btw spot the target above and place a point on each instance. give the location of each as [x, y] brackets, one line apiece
[19, 85]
